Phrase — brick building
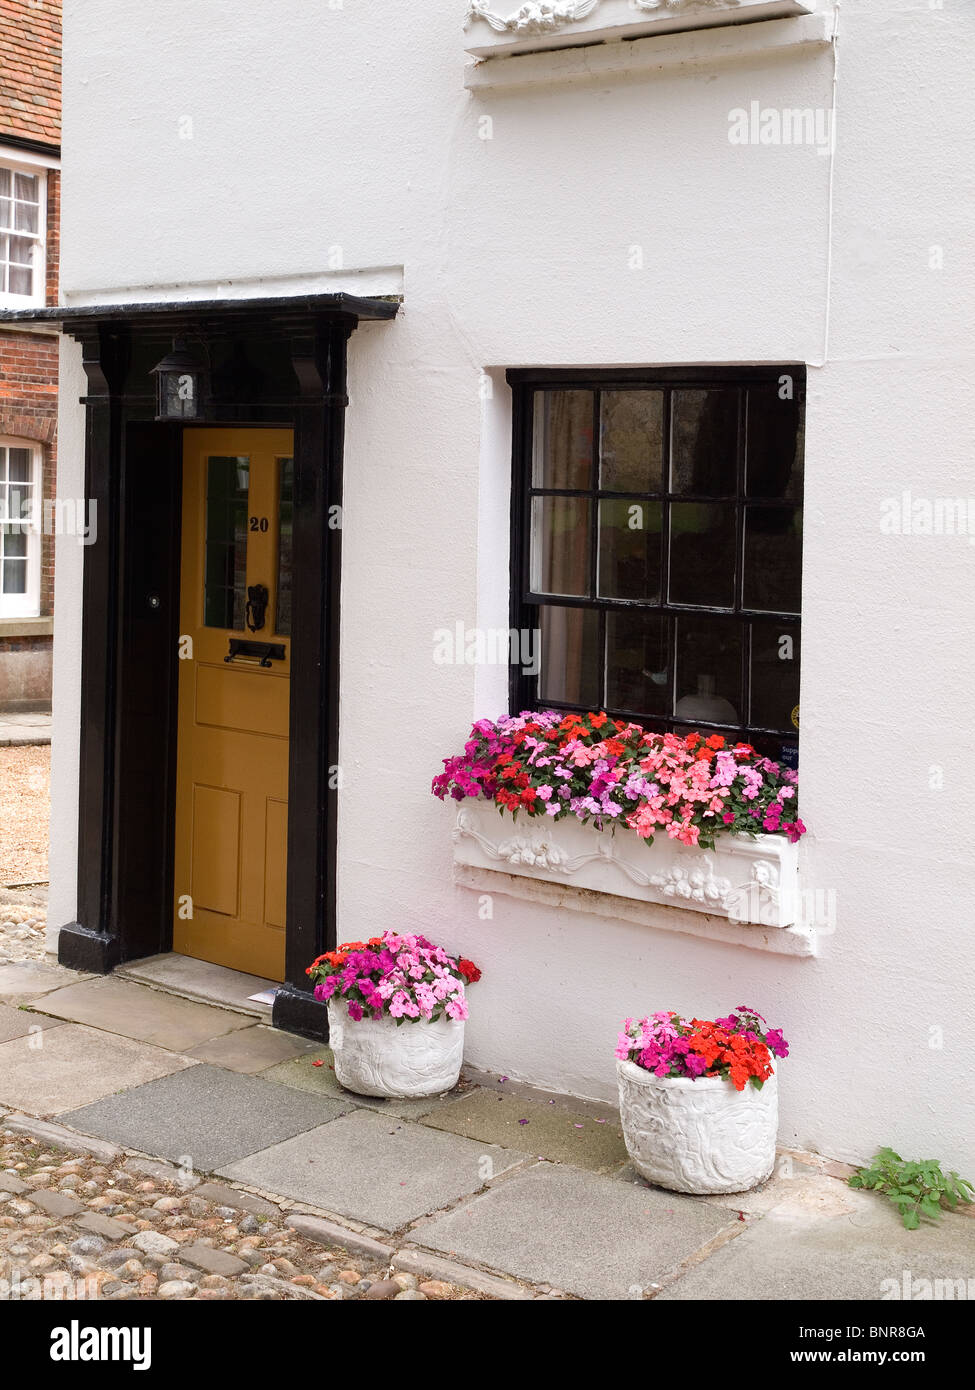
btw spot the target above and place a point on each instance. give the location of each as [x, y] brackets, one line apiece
[30, 138]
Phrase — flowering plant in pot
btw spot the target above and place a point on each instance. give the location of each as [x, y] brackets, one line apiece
[698, 1099]
[375, 987]
[608, 772]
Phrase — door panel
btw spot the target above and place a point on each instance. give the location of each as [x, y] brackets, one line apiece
[232, 761]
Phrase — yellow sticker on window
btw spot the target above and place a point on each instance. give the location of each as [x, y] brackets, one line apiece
[795, 716]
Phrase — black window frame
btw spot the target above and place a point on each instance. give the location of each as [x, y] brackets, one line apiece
[525, 603]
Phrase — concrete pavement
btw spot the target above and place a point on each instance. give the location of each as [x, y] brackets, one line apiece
[494, 1182]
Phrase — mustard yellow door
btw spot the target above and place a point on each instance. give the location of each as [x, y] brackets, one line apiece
[234, 677]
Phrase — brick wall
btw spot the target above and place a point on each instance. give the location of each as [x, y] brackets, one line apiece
[30, 109]
[29, 411]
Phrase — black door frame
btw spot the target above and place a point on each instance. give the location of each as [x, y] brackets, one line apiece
[271, 362]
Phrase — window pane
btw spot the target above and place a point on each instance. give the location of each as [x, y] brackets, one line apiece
[18, 465]
[571, 670]
[562, 439]
[21, 251]
[25, 217]
[25, 187]
[629, 549]
[14, 542]
[775, 676]
[637, 663]
[773, 453]
[702, 554]
[15, 576]
[560, 545]
[21, 281]
[225, 582]
[773, 559]
[705, 442]
[631, 441]
[708, 670]
[282, 620]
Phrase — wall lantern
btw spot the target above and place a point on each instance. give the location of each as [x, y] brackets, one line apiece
[179, 378]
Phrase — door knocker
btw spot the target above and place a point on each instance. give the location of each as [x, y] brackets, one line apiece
[257, 597]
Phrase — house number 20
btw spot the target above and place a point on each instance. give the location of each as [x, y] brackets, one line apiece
[259, 523]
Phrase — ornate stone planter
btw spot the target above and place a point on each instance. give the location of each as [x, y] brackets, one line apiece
[743, 879]
[698, 1135]
[374, 1057]
[497, 27]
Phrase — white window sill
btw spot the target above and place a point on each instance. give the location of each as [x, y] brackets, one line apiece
[581, 58]
[746, 891]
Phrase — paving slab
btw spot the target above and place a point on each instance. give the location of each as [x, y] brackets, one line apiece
[200, 979]
[95, 1224]
[375, 1168]
[546, 1130]
[315, 1072]
[230, 1197]
[862, 1252]
[25, 980]
[212, 1261]
[73, 1066]
[136, 1011]
[55, 1203]
[17, 1023]
[204, 1117]
[253, 1049]
[582, 1232]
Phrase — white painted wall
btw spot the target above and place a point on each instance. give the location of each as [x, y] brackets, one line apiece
[315, 129]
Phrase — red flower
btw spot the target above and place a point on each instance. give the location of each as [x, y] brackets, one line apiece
[469, 971]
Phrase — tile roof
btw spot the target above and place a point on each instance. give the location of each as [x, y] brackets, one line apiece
[30, 70]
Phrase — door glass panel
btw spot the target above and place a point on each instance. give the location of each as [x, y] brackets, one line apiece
[286, 475]
[225, 582]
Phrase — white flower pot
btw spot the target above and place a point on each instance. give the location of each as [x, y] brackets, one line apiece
[698, 1135]
[374, 1057]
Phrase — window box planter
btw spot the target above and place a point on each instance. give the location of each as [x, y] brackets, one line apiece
[697, 1135]
[375, 1057]
[500, 27]
[743, 879]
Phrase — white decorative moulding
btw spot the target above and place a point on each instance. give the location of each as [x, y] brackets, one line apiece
[744, 880]
[499, 27]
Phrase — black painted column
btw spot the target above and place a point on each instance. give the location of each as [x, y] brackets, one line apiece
[319, 360]
[92, 942]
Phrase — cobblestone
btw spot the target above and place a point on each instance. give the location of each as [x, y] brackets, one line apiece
[162, 1242]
